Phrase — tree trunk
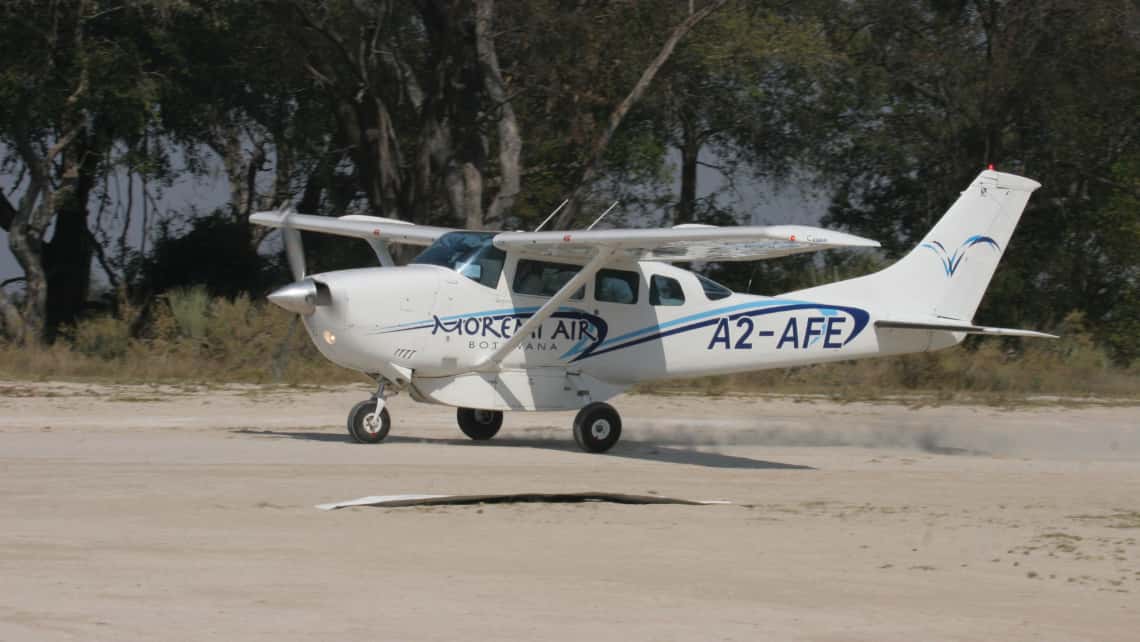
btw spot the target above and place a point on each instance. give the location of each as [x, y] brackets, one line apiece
[690, 152]
[25, 241]
[598, 149]
[228, 146]
[25, 235]
[7, 212]
[11, 324]
[38, 203]
[507, 126]
[67, 257]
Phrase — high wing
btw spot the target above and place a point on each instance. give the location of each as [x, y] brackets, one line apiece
[371, 228]
[683, 243]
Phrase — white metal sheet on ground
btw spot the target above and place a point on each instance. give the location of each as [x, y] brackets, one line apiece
[393, 501]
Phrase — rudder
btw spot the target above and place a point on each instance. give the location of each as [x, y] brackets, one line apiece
[947, 273]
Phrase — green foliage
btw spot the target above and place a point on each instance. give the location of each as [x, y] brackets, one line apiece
[346, 106]
[928, 93]
[191, 311]
[103, 337]
[213, 251]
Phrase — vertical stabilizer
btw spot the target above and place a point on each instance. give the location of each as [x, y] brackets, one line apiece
[947, 273]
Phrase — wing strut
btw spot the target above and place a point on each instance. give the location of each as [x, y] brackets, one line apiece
[550, 307]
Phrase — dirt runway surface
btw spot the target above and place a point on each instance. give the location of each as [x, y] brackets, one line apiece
[175, 513]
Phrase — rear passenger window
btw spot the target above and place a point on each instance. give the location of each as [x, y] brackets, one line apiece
[540, 278]
[665, 291]
[616, 286]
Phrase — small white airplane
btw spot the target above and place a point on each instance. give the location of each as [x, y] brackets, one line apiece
[495, 321]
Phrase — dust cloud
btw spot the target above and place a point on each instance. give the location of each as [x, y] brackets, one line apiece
[976, 437]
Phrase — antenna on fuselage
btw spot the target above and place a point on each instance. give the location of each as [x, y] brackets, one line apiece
[547, 219]
[608, 210]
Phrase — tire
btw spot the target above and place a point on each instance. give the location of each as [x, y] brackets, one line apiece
[597, 427]
[356, 423]
[479, 425]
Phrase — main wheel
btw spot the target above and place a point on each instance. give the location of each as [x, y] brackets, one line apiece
[597, 427]
[479, 425]
[365, 425]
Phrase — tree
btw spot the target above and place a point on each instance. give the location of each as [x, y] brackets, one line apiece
[414, 90]
[238, 89]
[933, 91]
[70, 87]
[743, 89]
[598, 148]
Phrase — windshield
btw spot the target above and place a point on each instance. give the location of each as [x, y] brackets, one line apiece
[469, 253]
[713, 290]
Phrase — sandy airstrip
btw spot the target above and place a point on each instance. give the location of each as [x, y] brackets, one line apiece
[143, 513]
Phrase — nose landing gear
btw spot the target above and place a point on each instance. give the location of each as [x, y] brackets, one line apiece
[369, 421]
[366, 425]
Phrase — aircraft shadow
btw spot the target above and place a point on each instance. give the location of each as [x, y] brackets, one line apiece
[643, 450]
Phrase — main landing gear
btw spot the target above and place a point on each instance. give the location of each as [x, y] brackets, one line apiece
[479, 425]
[597, 427]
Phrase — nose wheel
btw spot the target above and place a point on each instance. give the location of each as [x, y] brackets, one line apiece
[597, 427]
[479, 425]
[369, 424]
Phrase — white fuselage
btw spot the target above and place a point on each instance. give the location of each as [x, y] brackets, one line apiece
[426, 328]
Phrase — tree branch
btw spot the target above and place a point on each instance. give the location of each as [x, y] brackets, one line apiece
[101, 257]
[7, 212]
[599, 148]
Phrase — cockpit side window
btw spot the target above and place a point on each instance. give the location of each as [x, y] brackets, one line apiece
[472, 254]
[665, 291]
[542, 278]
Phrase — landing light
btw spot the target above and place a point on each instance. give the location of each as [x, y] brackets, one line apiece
[329, 337]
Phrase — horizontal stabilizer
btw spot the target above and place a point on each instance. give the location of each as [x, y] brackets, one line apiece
[947, 325]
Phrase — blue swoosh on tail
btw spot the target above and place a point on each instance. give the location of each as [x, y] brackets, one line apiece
[951, 262]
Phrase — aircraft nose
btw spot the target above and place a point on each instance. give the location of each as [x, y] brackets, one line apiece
[300, 297]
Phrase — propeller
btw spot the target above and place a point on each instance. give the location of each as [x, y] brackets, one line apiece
[304, 294]
[294, 249]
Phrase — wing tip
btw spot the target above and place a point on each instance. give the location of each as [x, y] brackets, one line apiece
[1010, 181]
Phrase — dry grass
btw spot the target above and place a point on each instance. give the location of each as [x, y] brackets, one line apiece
[190, 338]
[986, 374]
[1070, 367]
[186, 339]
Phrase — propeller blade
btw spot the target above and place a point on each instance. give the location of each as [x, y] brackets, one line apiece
[294, 250]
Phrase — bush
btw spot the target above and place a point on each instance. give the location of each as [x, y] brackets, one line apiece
[191, 310]
[103, 337]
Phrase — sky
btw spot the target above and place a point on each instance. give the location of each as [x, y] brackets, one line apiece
[769, 206]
